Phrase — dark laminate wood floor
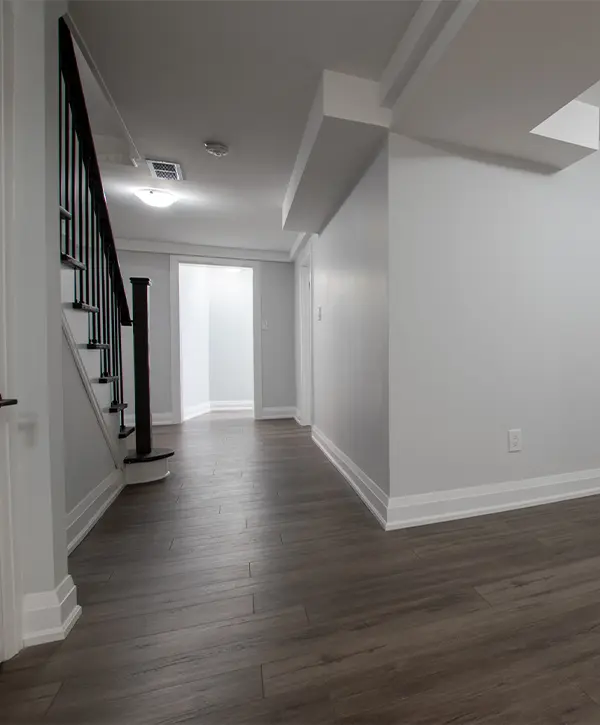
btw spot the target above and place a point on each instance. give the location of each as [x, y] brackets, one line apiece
[253, 587]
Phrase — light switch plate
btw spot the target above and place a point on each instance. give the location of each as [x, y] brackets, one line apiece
[515, 442]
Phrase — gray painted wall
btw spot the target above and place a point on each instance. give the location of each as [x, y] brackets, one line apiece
[277, 285]
[494, 320]
[88, 460]
[278, 364]
[350, 351]
[194, 324]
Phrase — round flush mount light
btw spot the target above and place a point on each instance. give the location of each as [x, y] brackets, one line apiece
[156, 197]
[216, 148]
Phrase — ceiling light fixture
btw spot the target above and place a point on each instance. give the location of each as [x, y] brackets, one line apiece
[156, 197]
[216, 148]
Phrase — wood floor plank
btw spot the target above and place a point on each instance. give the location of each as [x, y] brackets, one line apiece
[254, 587]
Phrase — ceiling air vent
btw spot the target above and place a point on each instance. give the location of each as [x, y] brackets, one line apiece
[165, 170]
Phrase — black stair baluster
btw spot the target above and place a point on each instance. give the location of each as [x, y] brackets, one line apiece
[96, 262]
[88, 237]
[61, 183]
[120, 373]
[80, 219]
[103, 333]
[71, 206]
[66, 172]
[113, 348]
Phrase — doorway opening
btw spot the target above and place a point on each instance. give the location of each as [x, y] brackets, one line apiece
[216, 346]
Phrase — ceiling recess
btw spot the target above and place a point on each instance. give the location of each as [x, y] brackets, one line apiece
[165, 170]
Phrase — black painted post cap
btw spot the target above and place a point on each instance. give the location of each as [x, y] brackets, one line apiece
[141, 280]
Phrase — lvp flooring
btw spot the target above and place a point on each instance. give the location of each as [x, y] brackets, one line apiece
[253, 587]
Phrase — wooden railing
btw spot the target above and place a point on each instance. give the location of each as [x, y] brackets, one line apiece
[87, 242]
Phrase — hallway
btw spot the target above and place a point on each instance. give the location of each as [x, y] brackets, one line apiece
[254, 587]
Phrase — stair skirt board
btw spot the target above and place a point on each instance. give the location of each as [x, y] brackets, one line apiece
[88, 512]
[50, 616]
[110, 437]
[399, 512]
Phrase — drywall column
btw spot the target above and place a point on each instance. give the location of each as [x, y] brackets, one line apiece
[194, 319]
[49, 596]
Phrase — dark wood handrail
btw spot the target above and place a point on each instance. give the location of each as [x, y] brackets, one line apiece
[74, 90]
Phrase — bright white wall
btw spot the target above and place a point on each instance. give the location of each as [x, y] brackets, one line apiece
[194, 324]
[494, 320]
[88, 460]
[350, 261]
[231, 334]
[157, 268]
[276, 280]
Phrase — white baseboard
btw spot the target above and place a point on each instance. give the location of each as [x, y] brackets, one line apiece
[217, 405]
[401, 512]
[157, 419]
[298, 418]
[461, 503]
[49, 616]
[276, 413]
[162, 418]
[371, 494]
[195, 410]
[87, 512]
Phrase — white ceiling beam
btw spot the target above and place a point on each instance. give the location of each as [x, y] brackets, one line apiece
[345, 125]
[433, 27]
[200, 250]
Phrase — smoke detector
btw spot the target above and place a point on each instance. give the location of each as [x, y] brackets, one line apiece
[165, 170]
[216, 148]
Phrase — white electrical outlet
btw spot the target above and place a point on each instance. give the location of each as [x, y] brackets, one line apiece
[515, 442]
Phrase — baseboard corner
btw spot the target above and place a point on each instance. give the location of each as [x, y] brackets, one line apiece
[49, 616]
[374, 498]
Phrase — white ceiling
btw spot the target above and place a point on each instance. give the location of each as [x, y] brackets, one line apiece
[509, 68]
[241, 72]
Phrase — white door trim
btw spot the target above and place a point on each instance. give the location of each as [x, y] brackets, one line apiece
[10, 613]
[175, 261]
[305, 303]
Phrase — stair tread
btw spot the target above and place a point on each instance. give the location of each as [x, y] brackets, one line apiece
[71, 262]
[85, 307]
[108, 378]
[126, 431]
[98, 346]
[117, 407]
[65, 213]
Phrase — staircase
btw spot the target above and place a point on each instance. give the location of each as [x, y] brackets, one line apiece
[95, 306]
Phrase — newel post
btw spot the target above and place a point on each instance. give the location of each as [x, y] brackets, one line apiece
[145, 464]
[141, 365]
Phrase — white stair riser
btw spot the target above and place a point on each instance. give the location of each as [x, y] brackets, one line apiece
[92, 361]
[67, 281]
[103, 393]
[79, 322]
